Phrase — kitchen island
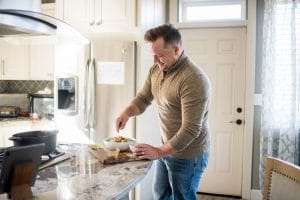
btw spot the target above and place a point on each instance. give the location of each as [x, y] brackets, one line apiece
[89, 178]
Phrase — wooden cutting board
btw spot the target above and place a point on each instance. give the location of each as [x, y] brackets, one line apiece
[109, 157]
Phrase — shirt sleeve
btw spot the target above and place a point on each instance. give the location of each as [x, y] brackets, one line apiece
[194, 94]
[144, 97]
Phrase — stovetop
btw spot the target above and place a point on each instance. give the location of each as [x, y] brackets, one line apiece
[55, 160]
[45, 158]
[55, 154]
[1, 157]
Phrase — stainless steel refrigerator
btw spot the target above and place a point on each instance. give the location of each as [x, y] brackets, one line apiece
[94, 83]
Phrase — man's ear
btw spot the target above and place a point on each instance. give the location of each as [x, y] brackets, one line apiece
[176, 48]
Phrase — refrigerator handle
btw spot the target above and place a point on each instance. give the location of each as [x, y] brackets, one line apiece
[89, 89]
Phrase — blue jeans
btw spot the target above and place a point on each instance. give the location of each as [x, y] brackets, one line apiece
[178, 179]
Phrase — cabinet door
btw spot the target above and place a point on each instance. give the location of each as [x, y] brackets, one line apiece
[2, 63]
[14, 61]
[99, 15]
[42, 125]
[79, 13]
[118, 13]
[41, 62]
[8, 131]
[48, 9]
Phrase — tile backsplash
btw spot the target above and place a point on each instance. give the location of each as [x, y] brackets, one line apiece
[24, 86]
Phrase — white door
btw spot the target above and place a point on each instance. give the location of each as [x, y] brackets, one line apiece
[221, 53]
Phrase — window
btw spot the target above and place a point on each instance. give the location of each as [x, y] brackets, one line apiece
[286, 63]
[280, 78]
[211, 10]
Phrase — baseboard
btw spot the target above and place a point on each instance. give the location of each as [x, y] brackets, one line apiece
[219, 195]
[256, 195]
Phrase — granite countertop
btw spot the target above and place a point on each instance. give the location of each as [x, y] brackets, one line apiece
[11, 119]
[91, 179]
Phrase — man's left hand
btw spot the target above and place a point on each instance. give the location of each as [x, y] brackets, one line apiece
[145, 151]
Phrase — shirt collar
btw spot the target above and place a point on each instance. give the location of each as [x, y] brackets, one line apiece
[178, 63]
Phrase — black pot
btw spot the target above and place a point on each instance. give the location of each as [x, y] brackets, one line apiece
[36, 137]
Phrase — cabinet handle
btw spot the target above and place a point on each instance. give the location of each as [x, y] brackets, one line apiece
[92, 23]
[98, 23]
[3, 67]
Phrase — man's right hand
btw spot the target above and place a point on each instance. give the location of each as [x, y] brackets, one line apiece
[131, 110]
[121, 121]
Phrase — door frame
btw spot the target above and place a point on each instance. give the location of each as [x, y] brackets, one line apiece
[249, 103]
[250, 25]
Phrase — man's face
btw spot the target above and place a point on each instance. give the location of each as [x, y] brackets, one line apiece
[164, 56]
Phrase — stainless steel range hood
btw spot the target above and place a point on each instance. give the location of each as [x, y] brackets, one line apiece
[19, 18]
[20, 23]
[22, 18]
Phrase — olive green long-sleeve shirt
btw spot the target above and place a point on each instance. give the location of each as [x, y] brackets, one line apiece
[182, 95]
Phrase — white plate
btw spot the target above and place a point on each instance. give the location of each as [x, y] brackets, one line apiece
[123, 146]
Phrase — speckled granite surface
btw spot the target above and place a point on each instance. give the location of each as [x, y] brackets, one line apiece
[90, 179]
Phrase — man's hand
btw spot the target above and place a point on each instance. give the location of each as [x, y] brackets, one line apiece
[131, 110]
[145, 151]
[121, 121]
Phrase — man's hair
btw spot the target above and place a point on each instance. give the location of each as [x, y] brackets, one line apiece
[167, 32]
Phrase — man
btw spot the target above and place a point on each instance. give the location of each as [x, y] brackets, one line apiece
[182, 93]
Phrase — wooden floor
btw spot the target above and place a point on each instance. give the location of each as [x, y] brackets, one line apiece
[212, 197]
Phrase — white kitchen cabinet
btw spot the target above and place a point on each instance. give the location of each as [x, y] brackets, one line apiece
[99, 15]
[10, 128]
[26, 62]
[42, 124]
[14, 61]
[41, 62]
[48, 9]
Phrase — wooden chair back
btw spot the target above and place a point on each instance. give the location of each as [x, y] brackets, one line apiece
[282, 180]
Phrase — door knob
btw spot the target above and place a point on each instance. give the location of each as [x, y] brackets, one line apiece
[239, 110]
[238, 121]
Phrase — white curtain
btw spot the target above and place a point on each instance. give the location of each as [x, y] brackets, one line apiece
[280, 82]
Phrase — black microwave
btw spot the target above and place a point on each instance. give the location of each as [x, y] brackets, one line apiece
[42, 104]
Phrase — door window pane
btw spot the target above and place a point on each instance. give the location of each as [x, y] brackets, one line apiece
[221, 10]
